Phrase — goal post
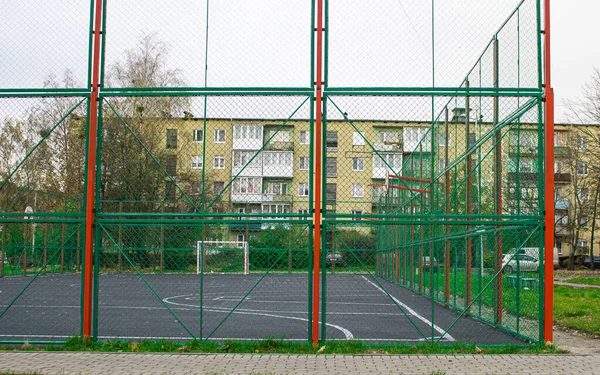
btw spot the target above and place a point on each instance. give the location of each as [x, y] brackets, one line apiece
[210, 248]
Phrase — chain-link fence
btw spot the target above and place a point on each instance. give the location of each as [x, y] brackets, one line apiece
[184, 206]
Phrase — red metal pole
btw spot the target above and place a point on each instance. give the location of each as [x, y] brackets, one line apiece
[318, 176]
[549, 192]
[91, 178]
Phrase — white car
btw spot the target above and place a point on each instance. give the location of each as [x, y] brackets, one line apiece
[526, 263]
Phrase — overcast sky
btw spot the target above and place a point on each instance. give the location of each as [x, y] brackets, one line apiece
[576, 48]
[267, 42]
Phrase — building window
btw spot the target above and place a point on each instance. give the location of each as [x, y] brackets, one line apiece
[219, 162]
[332, 141]
[277, 188]
[582, 194]
[582, 142]
[170, 190]
[558, 245]
[219, 136]
[393, 161]
[171, 165]
[276, 159]
[196, 188]
[171, 138]
[303, 163]
[198, 135]
[582, 244]
[388, 138]
[560, 139]
[304, 137]
[331, 167]
[241, 158]
[241, 241]
[303, 212]
[197, 162]
[218, 187]
[358, 139]
[443, 164]
[358, 190]
[331, 193]
[247, 185]
[356, 214]
[561, 219]
[280, 136]
[303, 190]
[275, 209]
[358, 164]
[582, 168]
[443, 138]
[252, 132]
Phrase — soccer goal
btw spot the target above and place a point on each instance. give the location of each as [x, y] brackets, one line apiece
[223, 256]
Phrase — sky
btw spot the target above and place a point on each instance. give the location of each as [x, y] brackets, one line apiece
[267, 42]
[575, 48]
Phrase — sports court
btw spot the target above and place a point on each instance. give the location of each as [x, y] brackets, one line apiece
[358, 309]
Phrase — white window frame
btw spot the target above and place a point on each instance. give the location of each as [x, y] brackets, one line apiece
[358, 164]
[442, 139]
[197, 162]
[218, 133]
[277, 188]
[358, 191]
[222, 187]
[245, 131]
[304, 137]
[306, 164]
[195, 137]
[242, 157]
[582, 168]
[247, 185]
[582, 142]
[303, 189]
[219, 162]
[358, 139]
[391, 137]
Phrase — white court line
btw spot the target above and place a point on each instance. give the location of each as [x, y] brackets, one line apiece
[347, 333]
[413, 312]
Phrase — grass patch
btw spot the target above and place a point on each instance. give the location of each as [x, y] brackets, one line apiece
[585, 280]
[276, 346]
[577, 308]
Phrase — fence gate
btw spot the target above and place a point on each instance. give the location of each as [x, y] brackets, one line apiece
[293, 170]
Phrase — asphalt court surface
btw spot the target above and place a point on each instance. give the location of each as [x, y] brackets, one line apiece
[234, 306]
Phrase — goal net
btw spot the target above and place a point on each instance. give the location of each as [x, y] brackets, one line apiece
[222, 256]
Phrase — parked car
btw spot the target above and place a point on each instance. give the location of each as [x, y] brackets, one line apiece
[588, 264]
[337, 259]
[427, 263]
[525, 263]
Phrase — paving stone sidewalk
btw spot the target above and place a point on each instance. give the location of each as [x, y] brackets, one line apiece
[279, 364]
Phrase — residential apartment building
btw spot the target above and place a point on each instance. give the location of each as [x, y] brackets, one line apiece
[258, 166]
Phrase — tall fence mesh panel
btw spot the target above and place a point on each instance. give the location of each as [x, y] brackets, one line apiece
[207, 174]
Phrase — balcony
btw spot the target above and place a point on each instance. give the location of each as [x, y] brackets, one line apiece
[562, 177]
[251, 197]
[278, 164]
[387, 147]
